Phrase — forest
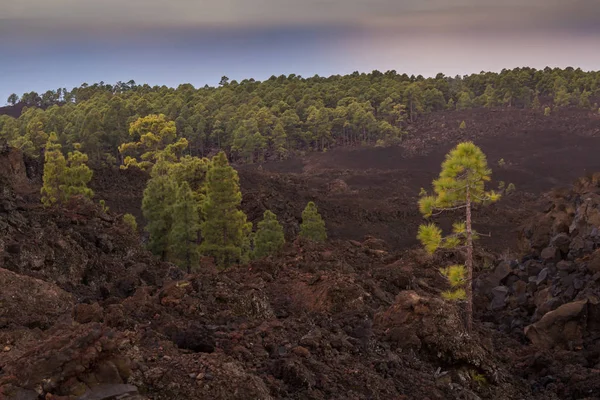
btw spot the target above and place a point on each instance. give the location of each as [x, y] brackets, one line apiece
[255, 121]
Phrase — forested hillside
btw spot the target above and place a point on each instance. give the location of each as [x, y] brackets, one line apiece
[254, 121]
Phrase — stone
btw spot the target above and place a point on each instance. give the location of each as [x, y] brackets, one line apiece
[109, 392]
[559, 328]
[542, 276]
[561, 242]
[499, 300]
[564, 265]
[301, 351]
[550, 254]
[84, 313]
[593, 264]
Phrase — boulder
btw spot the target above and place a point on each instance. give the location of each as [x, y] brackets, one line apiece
[561, 328]
[593, 264]
[30, 302]
[500, 294]
[561, 242]
[550, 254]
[84, 313]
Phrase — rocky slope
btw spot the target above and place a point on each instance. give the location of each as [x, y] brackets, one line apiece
[86, 313]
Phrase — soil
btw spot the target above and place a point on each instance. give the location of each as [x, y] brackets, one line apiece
[360, 317]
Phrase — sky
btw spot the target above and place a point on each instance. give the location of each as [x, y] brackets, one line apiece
[47, 44]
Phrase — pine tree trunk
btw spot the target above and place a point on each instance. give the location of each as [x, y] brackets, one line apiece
[469, 286]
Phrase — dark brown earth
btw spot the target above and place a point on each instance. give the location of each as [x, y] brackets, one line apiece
[83, 309]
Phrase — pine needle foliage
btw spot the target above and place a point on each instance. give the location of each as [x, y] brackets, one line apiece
[155, 137]
[269, 237]
[225, 228]
[130, 221]
[159, 198]
[64, 178]
[460, 185]
[313, 226]
[183, 237]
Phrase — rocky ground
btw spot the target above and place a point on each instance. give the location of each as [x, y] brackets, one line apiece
[86, 313]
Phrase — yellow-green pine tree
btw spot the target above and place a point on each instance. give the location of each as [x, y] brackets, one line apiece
[55, 166]
[461, 184]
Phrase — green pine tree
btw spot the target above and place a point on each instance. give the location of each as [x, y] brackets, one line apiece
[77, 176]
[183, 238]
[64, 179]
[313, 226]
[159, 197]
[269, 236]
[55, 167]
[225, 228]
[460, 185]
[130, 221]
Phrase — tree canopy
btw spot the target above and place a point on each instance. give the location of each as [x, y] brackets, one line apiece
[254, 121]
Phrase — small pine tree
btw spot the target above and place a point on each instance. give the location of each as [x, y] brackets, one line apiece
[269, 236]
[536, 102]
[547, 111]
[313, 226]
[130, 221]
[451, 105]
[463, 125]
[159, 197]
[183, 238]
[225, 228]
[584, 99]
[460, 185]
[104, 206]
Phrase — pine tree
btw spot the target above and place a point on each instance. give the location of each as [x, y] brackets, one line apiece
[62, 178]
[225, 228]
[313, 226]
[77, 176]
[157, 203]
[55, 167]
[269, 236]
[130, 221]
[460, 185]
[183, 238]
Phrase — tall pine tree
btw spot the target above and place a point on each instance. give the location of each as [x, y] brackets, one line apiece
[183, 238]
[313, 226]
[269, 236]
[159, 198]
[225, 228]
[461, 184]
[55, 167]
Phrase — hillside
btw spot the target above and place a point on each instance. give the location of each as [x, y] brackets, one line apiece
[373, 191]
[88, 313]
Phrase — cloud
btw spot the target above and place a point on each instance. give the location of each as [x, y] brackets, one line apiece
[47, 19]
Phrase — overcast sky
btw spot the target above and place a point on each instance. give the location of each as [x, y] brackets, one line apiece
[62, 43]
